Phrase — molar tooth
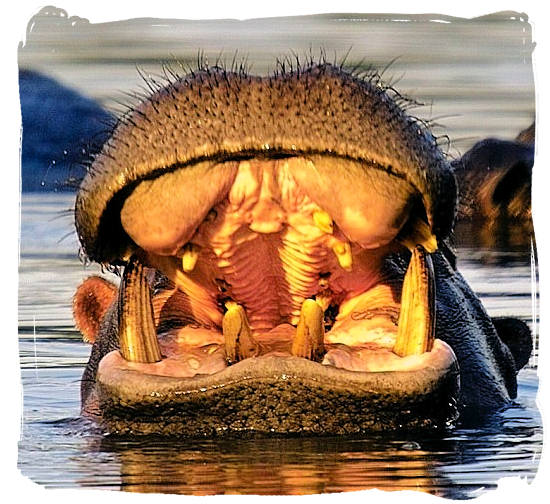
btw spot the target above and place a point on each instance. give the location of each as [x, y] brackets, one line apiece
[136, 328]
[310, 333]
[239, 343]
[190, 257]
[342, 250]
[323, 221]
[416, 329]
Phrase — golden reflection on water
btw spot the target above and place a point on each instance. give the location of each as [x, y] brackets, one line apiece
[268, 467]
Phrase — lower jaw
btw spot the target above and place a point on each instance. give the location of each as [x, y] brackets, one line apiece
[275, 394]
[410, 384]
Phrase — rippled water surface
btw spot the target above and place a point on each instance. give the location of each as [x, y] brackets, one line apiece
[477, 75]
[59, 449]
[474, 77]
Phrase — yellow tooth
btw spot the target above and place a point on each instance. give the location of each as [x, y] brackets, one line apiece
[239, 343]
[136, 329]
[323, 221]
[190, 257]
[342, 250]
[416, 326]
[310, 333]
[417, 232]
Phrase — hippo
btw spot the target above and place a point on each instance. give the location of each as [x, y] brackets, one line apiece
[61, 127]
[282, 244]
[494, 177]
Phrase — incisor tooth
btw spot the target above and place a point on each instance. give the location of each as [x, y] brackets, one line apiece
[310, 333]
[190, 257]
[342, 250]
[323, 221]
[416, 326]
[239, 343]
[136, 328]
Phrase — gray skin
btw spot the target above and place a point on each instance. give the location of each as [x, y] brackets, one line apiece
[317, 110]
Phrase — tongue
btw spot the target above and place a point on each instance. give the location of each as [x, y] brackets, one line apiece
[183, 359]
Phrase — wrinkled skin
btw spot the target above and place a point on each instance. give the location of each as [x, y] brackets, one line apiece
[494, 178]
[337, 190]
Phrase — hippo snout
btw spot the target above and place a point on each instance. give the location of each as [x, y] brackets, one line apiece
[285, 266]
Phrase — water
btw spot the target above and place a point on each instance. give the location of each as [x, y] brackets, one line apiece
[474, 77]
[59, 449]
[476, 74]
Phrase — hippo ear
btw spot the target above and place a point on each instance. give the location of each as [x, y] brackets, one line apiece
[516, 335]
[90, 302]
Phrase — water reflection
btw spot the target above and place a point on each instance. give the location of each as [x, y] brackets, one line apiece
[453, 465]
[492, 237]
[271, 466]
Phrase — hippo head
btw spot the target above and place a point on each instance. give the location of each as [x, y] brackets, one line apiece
[285, 265]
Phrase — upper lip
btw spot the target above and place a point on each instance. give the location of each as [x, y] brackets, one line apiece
[218, 115]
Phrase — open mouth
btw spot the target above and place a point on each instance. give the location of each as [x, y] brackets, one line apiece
[261, 271]
[277, 234]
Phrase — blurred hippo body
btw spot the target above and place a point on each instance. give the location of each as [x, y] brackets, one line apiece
[61, 129]
[494, 179]
[285, 266]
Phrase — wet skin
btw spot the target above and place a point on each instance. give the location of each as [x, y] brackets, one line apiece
[286, 270]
